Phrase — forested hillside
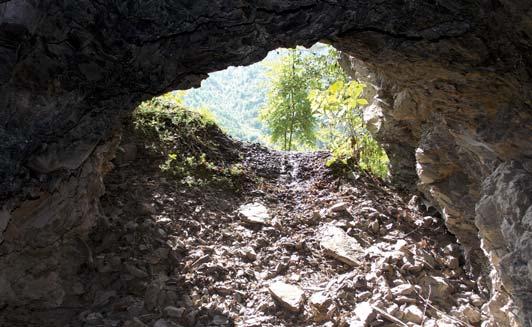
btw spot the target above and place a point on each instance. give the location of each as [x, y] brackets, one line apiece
[235, 96]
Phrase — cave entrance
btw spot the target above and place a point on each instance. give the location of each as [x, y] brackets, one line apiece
[299, 99]
[215, 231]
[456, 87]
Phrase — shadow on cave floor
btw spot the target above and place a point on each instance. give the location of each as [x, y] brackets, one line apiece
[331, 251]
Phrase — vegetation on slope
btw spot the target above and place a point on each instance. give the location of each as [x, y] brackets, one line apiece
[193, 148]
[296, 99]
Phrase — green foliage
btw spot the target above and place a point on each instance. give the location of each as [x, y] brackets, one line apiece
[234, 97]
[327, 113]
[186, 142]
[288, 113]
[332, 104]
[338, 102]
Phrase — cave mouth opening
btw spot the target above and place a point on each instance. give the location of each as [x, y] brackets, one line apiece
[295, 99]
[456, 87]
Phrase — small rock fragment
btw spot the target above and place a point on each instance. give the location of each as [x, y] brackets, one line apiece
[365, 312]
[440, 289]
[319, 300]
[94, 318]
[174, 312]
[339, 245]
[404, 289]
[401, 245]
[362, 296]
[135, 322]
[136, 271]
[290, 296]
[320, 306]
[248, 253]
[413, 314]
[374, 226]
[451, 262]
[471, 313]
[162, 323]
[393, 310]
[255, 213]
[338, 207]
[476, 300]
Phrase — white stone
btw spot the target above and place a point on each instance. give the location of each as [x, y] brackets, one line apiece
[413, 314]
[255, 213]
[365, 312]
[290, 296]
[339, 245]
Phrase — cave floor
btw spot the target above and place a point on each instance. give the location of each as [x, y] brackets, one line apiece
[349, 251]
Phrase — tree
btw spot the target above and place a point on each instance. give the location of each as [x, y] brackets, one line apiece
[288, 112]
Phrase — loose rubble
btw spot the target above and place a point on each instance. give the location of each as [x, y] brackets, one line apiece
[298, 247]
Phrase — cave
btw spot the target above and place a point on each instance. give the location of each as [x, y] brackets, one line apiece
[453, 111]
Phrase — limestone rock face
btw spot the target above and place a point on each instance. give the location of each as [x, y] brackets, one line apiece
[447, 124]
[504, 217]
[452, 82]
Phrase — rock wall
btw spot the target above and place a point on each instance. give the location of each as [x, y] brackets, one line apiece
[454, 108]
[452, 116]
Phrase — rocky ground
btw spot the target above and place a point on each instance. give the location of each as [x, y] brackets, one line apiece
[295, 245]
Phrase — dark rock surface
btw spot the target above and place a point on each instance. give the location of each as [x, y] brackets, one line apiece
[454, 85]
